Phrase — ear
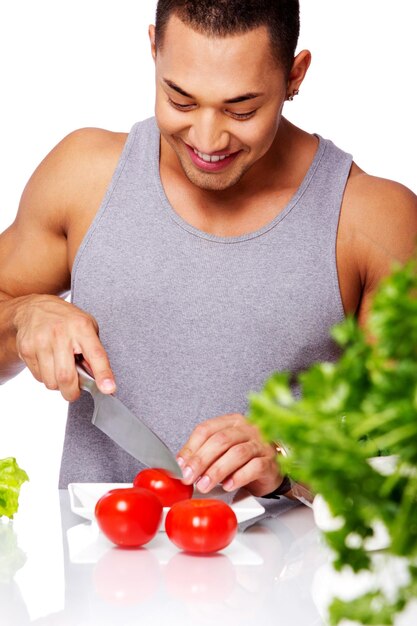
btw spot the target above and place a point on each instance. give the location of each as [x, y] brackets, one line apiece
[298, 71]
[151, 33]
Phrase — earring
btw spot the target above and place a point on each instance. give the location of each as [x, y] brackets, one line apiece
[294, 93]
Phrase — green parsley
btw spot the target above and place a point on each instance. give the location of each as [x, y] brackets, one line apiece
[362, 406]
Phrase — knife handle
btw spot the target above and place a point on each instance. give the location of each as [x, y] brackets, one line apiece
[85, 376]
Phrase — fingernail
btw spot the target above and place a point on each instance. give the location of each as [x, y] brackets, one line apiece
[180, 461]
[107, 385]
[187, 473]
[228, 485]
[203, 484]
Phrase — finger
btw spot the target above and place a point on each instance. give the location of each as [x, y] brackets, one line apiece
[33, 366]
[65, 372]
[94, 352]
[260, 475]
[27, 354]
[203, 432]
[216, 445]
[46, 366]
[228, 464]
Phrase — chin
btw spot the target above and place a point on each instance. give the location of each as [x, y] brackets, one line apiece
[211, 182]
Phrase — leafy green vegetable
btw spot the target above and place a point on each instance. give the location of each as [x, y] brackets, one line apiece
[11, 479]
[362, 406]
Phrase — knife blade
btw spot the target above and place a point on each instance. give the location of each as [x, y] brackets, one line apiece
[114, 419]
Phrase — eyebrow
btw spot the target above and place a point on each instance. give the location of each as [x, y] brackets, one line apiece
[250, 95]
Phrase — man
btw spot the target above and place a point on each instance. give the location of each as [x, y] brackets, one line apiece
[211, 246]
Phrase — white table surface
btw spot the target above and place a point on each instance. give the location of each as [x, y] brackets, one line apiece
[67, 574]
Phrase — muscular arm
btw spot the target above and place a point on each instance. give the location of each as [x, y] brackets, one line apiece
[32, 256]
[378, 228]
[390, 238]
[37, 327]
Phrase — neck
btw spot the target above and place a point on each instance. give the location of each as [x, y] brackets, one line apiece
[255, 199]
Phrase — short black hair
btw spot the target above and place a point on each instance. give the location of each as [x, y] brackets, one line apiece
[219, 18]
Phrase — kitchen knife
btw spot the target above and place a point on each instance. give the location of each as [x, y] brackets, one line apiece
[115, 420]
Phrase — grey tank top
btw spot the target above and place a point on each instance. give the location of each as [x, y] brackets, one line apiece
[193, 322]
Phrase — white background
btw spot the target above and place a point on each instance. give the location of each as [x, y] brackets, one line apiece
[67, 64]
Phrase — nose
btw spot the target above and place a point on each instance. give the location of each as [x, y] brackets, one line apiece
[207, 132]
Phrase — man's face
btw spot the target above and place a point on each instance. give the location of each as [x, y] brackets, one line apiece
[218, 97]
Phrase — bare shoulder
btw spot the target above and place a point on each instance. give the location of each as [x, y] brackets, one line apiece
[84, 143]
[56, 208]
[79, 164]
[381, 196]
[378, 226]
[381, 211]
[91, 139]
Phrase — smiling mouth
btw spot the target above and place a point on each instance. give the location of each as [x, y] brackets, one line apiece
[211, 158]
[211, 162]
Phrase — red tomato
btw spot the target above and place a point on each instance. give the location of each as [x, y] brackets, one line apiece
[164, 485]
[129, 516]
[201, 525]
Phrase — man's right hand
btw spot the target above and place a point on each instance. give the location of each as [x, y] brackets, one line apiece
[49, 333]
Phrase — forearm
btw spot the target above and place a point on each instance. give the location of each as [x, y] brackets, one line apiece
[10, 362]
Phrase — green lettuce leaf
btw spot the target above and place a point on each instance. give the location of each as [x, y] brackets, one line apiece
[11, 479]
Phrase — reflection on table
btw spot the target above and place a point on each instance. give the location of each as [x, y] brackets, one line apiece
[264, 576]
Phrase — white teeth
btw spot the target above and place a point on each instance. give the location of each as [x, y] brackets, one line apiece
[208, 158]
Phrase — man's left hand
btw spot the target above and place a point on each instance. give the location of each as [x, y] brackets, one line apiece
[229, 450]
